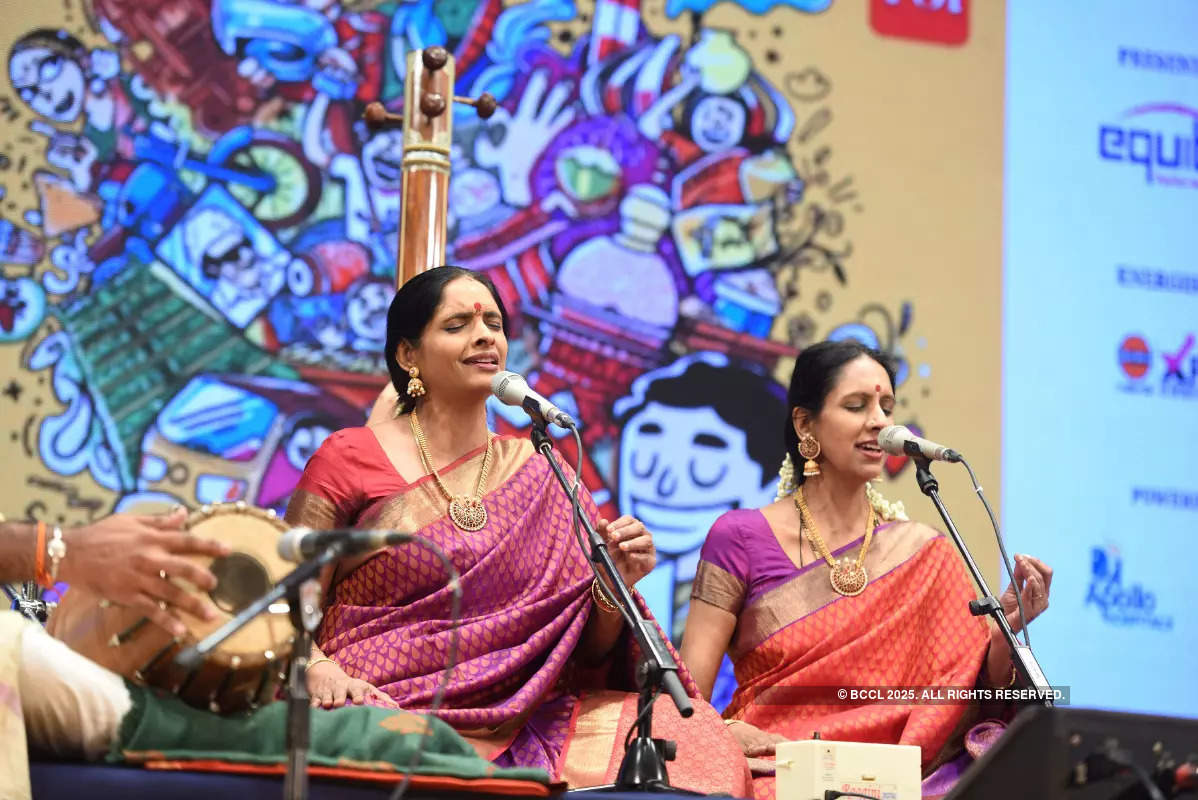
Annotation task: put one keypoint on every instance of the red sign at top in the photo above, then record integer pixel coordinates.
(943, 21)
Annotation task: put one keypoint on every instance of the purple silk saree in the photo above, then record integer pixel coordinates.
(517, 692)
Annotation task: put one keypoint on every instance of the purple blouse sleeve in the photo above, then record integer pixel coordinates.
(724, 546)
(722, 576)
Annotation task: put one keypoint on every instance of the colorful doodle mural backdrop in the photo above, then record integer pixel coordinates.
(199, 237)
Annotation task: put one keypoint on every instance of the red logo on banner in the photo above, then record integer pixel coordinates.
(944, 21)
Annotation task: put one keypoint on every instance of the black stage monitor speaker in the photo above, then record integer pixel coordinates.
(1080, 754)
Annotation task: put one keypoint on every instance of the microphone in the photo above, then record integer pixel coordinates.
(300, 544)
(513, 390)
(898, 440)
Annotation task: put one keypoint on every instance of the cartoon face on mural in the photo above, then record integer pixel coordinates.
(680, 468)
(366, 313)
(46, 71)
(382, 158)
(304, 440)
(22, 308)
(204, 264)
(689, 452)
(228, 256)
(717, 123)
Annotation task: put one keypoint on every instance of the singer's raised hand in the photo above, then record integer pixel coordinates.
(1034, 579)
(631, 547)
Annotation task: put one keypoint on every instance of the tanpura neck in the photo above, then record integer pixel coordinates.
(839, 508)
(452, 430)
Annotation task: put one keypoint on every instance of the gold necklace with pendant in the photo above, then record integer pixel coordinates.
(848, 576)
(467, 512)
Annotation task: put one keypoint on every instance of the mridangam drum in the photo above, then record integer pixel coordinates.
(246, 669)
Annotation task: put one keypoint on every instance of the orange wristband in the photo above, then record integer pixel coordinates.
(39, 565)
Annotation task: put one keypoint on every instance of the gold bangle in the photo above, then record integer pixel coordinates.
(321, 660)
(601, 599)
(1014, 675)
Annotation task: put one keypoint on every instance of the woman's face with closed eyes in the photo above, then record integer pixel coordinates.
(463, 346)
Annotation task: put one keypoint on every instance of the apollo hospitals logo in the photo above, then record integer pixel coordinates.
(1160, 139)
(1121, 603)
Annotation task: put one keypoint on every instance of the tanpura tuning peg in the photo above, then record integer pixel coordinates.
(432, 104)
(484, 106)
(434, 58)
(377, 116)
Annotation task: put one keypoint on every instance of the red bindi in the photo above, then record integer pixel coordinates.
(478, 308)
(877, 388)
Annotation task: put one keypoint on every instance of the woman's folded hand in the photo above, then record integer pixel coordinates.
(755, 742)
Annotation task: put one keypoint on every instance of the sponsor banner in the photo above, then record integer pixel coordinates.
(1100, 363)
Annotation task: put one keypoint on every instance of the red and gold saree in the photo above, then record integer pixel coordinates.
(797, 642)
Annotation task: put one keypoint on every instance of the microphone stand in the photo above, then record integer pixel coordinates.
(301, 588)
(28, 600)
(643, 768)
(1025, 661)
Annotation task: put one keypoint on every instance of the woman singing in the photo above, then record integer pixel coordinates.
(544, 667)
(830, 586)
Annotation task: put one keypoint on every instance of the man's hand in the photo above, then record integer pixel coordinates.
(123, 557)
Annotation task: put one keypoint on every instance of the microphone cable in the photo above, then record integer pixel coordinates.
(1002, 549)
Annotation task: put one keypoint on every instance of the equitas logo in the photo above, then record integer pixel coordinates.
(1160, 138)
